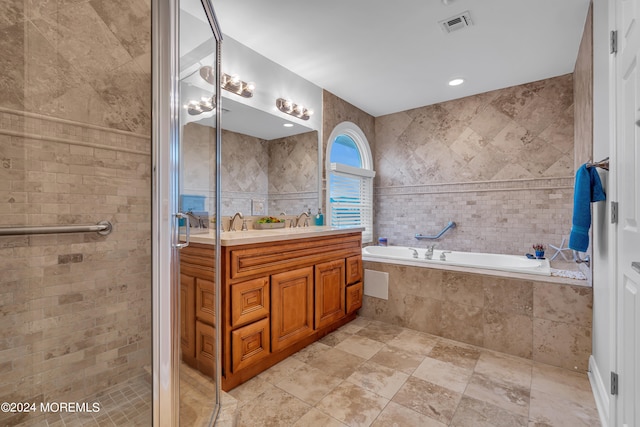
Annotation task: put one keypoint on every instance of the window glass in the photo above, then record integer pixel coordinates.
(345, 151)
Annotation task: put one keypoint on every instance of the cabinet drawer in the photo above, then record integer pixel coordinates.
(354, 297)
(249, 301)
(277, 257)
(354, 269)
(249, 344)
(205, 348)
(205, 301)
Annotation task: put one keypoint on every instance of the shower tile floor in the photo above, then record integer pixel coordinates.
(370, 373)
(127, 404)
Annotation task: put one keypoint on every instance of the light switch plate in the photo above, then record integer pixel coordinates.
(257, 207)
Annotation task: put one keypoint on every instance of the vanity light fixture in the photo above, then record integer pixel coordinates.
(195, 108)
(237, 86)
(456, 82)
(296, 110)
(230, 83)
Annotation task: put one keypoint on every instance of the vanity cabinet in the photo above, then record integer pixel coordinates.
(276, 298)
(280, 296)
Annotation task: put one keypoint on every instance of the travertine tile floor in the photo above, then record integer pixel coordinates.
(370, 373)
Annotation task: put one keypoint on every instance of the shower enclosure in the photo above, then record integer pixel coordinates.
(89, 321)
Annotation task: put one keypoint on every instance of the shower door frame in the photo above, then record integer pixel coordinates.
(165, 195)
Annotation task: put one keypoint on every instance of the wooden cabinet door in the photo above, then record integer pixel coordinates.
(329, 292)
(249, 301)
(354, 297)
(354, 269)
(205, 348)
(249, 344)
(291, 307)
(187, 319)
(205, 301)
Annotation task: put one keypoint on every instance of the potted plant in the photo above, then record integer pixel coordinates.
(539, 248)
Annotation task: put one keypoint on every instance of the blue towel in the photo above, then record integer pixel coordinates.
(588, 188)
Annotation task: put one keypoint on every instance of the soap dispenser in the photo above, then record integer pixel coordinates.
(319, 217)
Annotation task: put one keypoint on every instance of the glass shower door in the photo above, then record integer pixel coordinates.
(75, 149)
(198, 204)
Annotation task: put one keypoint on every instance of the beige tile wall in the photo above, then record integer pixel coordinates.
(543, 321)
(76, 308)
(500, 164)
(293, 174)
(75, 112)
(283, 172)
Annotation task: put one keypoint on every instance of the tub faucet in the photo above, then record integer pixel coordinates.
(429, 253)
(299, 217)
(415, 252)
(443, 256)
(233, 219)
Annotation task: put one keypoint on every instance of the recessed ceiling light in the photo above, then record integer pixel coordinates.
(456, 82)
(288, 125)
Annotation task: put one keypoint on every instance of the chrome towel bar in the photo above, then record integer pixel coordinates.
(103, 228)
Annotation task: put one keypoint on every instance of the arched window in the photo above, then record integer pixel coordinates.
(350, 175)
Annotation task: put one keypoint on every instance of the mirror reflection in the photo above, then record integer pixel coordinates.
(270, 161)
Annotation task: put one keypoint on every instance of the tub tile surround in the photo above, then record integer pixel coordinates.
(413, 378)
(543, 321)
(500, 164)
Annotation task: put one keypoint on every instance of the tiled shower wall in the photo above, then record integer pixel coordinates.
(499, 164)
(75, 309)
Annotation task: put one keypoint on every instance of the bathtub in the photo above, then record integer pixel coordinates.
(509, 263)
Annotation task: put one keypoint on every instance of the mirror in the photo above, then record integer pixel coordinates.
(267, 168)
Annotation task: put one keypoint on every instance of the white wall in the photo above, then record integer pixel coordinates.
(603, 232)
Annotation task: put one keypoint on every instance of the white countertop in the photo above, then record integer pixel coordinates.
(234, 238)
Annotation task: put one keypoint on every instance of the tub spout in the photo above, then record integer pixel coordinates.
(429, 253)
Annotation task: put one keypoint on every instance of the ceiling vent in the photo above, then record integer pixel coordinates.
(457, 22)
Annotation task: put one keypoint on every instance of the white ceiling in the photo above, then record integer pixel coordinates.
(387, 56)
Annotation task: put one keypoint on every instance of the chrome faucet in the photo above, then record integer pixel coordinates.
(306, 221)
(233, 219)
(197, 221)
(415, 252)
(429, 253)
(443, 256)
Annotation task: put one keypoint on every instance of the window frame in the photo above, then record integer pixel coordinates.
(365, 173)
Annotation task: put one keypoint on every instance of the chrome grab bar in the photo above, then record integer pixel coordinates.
(451, 224)
(103, 228)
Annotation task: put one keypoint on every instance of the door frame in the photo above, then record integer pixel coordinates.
(165, 197)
